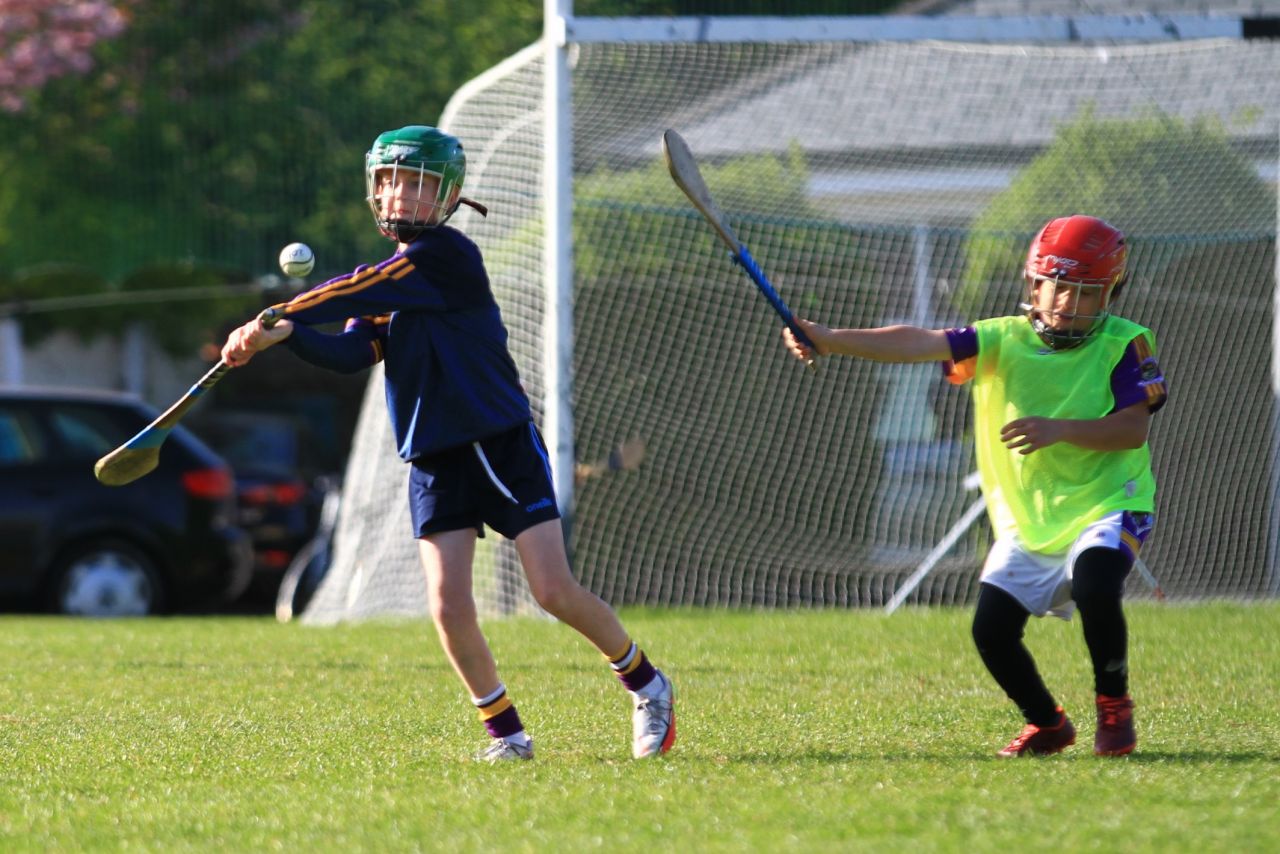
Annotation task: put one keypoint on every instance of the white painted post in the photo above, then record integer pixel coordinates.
(557, 355)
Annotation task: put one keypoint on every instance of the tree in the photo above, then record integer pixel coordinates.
(42, 40)
(206, 136)
(1155, 176)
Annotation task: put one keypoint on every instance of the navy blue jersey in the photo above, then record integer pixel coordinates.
(430, 315)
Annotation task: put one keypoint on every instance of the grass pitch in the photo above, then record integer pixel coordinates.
(799, 731)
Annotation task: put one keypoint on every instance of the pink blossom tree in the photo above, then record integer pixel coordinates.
(41, 40)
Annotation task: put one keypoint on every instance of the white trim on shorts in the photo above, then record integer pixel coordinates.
(493, 477)
(1042, 582)
(540, 447)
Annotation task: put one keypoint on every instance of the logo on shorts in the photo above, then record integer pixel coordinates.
(538, 505)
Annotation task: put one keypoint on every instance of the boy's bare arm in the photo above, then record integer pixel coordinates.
(1119, 431)
(886, 344)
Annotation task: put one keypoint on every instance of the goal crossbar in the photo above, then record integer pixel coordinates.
(1048, 29)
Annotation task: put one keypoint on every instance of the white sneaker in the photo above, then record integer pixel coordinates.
(501, 750)
(654, 722)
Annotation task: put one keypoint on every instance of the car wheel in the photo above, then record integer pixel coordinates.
(106, 578)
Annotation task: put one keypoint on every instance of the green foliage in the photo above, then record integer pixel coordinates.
(209, 135)
(1153, 176)
(835, 730)
(620, 217)
(617, 213)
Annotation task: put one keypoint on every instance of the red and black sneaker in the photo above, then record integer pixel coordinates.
(1042, 741)
(1116, 735)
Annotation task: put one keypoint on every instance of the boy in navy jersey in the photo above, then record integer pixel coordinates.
(462, 420)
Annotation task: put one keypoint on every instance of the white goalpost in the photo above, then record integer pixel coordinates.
(860, 158)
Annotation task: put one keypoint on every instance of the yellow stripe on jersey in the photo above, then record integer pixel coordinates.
(349, 285)
(1156, 391)
(375, 319)
(1143, 347)
(362, 277)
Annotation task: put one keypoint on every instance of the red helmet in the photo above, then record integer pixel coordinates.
(1079, 251)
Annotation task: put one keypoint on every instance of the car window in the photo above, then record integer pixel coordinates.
(261, 445)
(20, 438)
(86, 431)
(254, 444)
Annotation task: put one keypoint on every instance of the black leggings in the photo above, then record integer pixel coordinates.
(998, 623)
(1098, 588)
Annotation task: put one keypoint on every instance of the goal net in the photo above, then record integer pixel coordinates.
(875, 183)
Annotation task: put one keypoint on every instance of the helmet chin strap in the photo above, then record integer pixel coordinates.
(1063, 340)
(405, 232)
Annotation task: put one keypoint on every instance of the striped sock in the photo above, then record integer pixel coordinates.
(632, 667)
(501, 720)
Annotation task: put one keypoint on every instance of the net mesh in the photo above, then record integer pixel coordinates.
(875, 184)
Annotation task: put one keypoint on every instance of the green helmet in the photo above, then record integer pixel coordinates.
(423, 152)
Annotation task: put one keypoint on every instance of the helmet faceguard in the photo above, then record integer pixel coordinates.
(419, 156)
(1081, 259)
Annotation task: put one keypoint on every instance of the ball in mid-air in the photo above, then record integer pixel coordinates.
(297, 259)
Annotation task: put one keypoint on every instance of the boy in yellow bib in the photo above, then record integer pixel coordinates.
(1062, 399)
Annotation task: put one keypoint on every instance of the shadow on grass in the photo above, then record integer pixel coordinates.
(1151, 757)
(302, 664)
(1208, 757)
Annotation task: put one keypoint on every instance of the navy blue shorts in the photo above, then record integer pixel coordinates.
(503, 481)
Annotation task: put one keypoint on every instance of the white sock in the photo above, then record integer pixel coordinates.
(521, 738)
(489, 698)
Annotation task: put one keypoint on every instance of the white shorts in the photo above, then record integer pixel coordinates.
(1042, 582)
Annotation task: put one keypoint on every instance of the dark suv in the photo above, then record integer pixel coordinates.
(165, 542)
(276, 466)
